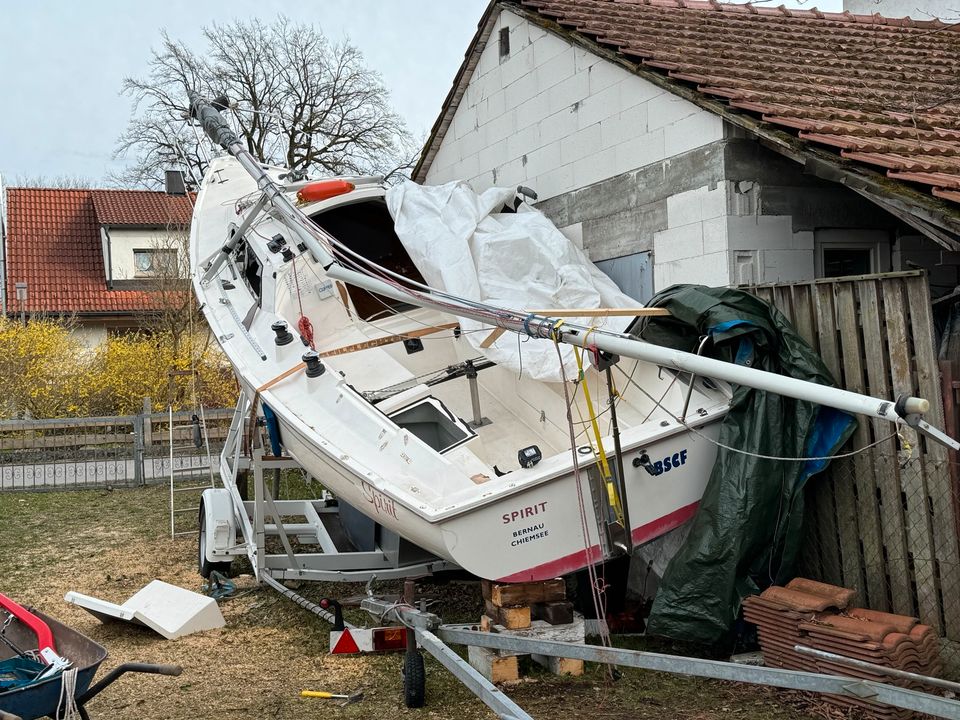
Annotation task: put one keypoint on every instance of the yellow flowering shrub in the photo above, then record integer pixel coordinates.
(45, 371)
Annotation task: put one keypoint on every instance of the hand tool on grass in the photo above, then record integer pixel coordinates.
(347, 699)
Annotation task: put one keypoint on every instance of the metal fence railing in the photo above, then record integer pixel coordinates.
(121, 451)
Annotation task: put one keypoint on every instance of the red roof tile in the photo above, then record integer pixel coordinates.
(53, 244)
(880, 91)
(141, 207)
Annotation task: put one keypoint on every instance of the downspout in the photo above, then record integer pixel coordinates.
(3, 249)
(107, 255)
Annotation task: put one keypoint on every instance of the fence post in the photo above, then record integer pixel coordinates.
(138, 435)
(147, 421)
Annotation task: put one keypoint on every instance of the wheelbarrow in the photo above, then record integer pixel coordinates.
(40, 699)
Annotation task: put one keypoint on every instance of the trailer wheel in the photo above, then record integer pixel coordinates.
(414, 679)
(204, 566)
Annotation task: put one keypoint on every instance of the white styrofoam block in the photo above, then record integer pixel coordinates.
(621, 127)
(693, 131)
(787, 266)
(684, 208)
(759, 232)
(604, 74)
(567, 92)
(166, 609)
(558, 69)
(640, 151)
(519, 91)
(174, 612)
(519, 63)
(557, 126)
(677, 243)
(594, 168)
(533, 110)
(103, 610)
(547, 47)
(490, 157)
(500, 127)
(715, 235)
(711, 269)
(574, 233)
(555, 182)
(580, 144)
(543, 159)
(714, 201)
(599, 105)
(665, 110)
(510, 173)
(523, 141)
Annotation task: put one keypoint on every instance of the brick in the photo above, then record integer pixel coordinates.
(519, 63)
(548, 47)
(600, 105)
(669, 109)
(567, 92)
(518, 92)
(555, 182)
(500, 127)
(560, 666)
(558, 126)
(523, 142)
(559, 68)
(640, 151)
(604, 74)
(685, 207)
(595, 168)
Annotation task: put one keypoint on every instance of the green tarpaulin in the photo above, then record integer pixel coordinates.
(746, 534)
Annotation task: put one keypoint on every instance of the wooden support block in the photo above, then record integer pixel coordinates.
(556, 613)
(512, 618)
(560, 666)
(494, 668)
(486, 623)
(508, 595)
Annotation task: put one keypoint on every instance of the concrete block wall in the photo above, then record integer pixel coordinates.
(556, 118)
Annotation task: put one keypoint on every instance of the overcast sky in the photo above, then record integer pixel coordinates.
(62, 62)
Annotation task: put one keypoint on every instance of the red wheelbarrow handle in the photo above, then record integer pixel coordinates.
(39, 627)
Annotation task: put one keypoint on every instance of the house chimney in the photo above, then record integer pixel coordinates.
(175, 183)
(945, 10)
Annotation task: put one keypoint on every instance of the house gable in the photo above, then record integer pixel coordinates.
(554, 116)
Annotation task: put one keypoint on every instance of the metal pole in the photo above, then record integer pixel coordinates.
(718, 670)
(880, 669)
(490, 694)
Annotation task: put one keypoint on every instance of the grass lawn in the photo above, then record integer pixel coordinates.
(110, 544)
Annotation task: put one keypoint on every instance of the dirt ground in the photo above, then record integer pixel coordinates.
(110, 544)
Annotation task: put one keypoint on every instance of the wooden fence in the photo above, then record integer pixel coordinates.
(884, 521)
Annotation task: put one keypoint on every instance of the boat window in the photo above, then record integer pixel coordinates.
(430, 421)
(367, 229)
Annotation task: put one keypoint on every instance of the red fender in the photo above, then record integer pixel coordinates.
(39, 627)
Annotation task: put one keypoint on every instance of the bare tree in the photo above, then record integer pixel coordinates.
(296, 99)
(61, 182)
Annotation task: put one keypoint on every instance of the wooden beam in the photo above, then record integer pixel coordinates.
(365, 345)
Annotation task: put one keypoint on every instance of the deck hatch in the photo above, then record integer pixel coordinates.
(431, 421)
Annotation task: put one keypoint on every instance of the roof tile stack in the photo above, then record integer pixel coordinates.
(819, 616)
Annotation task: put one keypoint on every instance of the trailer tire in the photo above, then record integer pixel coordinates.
(414, 679)
(204, 566)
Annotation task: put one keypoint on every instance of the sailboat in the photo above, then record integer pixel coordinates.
(396, 394)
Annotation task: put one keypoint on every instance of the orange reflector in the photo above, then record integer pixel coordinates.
(323, 190)
(389, 638)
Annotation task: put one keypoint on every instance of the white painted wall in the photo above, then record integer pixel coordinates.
(555, 117)
(123, 241)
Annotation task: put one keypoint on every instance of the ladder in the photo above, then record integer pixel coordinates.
(191, 471)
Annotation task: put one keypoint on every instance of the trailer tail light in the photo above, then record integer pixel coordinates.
(389, 638)
(323, 190)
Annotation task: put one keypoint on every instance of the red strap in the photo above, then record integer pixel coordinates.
(39, 627)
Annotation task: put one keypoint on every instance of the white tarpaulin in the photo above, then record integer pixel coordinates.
(462, 243)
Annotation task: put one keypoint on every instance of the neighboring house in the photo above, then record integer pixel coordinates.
(103, 258)
(704, 142)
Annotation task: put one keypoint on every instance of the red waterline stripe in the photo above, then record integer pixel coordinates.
(575, 561)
